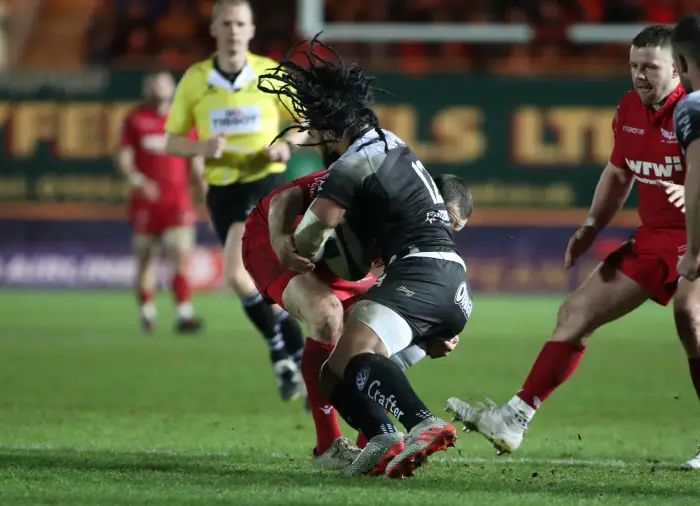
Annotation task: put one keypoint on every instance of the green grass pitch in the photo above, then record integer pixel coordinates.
(93, 413)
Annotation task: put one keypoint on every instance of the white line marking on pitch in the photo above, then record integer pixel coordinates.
(280, 455)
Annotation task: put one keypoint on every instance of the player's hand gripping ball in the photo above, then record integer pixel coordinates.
(286, 252)
(345, 255)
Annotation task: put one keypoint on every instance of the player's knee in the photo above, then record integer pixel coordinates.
(238, 279)
(574, 323)
(325, 323)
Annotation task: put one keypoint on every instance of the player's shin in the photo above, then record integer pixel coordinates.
(183, 296)
(380, 379)
(148, 308)
(694, 365)
(291, 334)
(555, 364)
(263, 317)
(324, 414)
(358, 411)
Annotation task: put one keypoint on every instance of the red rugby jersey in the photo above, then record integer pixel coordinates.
(144, 132)
(646, 144)
(309, 186)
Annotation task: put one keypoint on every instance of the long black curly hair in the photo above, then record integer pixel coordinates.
(327, 96)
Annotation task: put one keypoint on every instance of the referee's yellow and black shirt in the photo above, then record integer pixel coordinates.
(215, 104)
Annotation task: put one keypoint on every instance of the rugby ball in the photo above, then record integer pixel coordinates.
(345, 255)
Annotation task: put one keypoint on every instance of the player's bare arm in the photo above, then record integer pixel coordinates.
(197, 175)
(124, 160)
(182, 145)
(612, 191)
(283, 149)
(284, 209)
(316, 226)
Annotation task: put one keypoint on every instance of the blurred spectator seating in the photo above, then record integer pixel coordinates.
(174, 33)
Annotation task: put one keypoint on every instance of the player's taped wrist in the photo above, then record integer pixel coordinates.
(311, 235)
(136, 179)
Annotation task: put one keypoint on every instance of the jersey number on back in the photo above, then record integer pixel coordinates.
(428, 182)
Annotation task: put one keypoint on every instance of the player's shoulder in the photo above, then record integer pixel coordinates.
(630, 101)
(689, 104)
(260, 63)
(198, 72)
(367, 154)
(687, 119)
(138, 113)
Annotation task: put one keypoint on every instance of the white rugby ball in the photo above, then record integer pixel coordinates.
(345, 255)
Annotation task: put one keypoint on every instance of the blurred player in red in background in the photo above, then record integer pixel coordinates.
(160, 206)
(645, 267)
(320, 298)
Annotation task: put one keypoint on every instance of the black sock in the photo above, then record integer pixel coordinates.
(291, 333)
(386, 384)
(263, 317)
(359, 411)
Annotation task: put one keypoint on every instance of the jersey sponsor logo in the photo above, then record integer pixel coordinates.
(403, 289)
(361, 378)
(666, 169)
(389, 403)
(155, 143)
(442, 216)
(632, 130)
(668, 136)
(463, 300)
(235, 120)
(315, 187)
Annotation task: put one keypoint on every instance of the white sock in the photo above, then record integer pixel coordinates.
(148, 311)
(185, 311)
(522, 409)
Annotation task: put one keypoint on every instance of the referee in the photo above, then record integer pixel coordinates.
(235, 123)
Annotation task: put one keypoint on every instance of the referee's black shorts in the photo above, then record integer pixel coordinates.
(233, 203)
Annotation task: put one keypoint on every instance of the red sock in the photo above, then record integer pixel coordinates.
(361, 441)
(145, 296)
(325, 416)
(694, 364)
(181, 289)
(555, 363)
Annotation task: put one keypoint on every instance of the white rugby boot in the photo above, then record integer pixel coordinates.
(289, 381)
(430, 436)
(503, 426)
(692, 464)
(338, 456)
(375, 457)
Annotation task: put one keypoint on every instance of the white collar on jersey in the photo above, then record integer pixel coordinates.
(370, 150)
(246, 76)
(391, 139)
